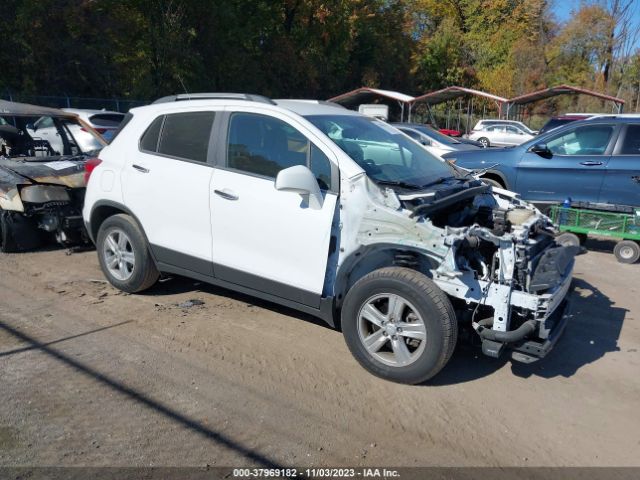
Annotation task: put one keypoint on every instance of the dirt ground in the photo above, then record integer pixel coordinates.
(94, 377)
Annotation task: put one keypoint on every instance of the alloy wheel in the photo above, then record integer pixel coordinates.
(391, 330)
(118, 255)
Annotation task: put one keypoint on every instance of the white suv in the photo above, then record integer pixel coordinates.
(319, 208)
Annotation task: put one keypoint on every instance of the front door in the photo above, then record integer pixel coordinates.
(575, 169)
(166, 186)
(265, 239)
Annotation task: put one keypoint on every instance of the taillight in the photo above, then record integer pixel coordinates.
(89, 166)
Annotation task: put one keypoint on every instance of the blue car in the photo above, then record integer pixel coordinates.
(595, 161)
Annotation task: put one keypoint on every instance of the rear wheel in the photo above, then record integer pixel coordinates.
(124, 255)
(627, 251)
(399, 325)
(485, 142)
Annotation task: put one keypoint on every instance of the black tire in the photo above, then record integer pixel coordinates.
(492, 182)
(429, 302)
(144, 272)
(568, 239)
(7, 242)
(627, 251)
(485, 142)
(19, 233)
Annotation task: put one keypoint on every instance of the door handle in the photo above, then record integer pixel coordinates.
(140, 169)
(227, 195)
(591, 163)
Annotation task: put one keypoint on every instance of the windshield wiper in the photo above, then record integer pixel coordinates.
(393, 183)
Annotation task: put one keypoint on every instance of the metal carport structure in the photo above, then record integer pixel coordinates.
(457, 92)
(367, 95)
(560, 90)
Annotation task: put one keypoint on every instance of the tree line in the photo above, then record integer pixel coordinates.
(143, 49)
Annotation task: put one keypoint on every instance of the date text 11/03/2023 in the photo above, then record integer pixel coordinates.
(315, 473)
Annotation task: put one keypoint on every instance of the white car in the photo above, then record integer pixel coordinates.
(500, 135)
(334, 214)
(105, 122)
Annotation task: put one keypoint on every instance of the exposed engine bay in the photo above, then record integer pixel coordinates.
(493, 254)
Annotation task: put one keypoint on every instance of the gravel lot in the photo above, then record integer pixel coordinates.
(91, 376)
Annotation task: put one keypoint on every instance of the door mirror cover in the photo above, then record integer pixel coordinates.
(300, 179)
(542, 150)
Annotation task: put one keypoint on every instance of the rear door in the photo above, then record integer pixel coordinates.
(166, 184)
(576, 168)
(621, 184)
(263, 238)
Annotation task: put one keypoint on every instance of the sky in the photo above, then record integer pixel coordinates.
(563, 8)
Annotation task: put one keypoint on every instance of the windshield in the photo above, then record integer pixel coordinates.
(45, 136)
(384, 153)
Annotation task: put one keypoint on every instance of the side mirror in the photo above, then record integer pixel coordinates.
(425, 142)
(542, 150)
(31, 126)
(299, 179)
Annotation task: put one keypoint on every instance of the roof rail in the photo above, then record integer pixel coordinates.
(215, 96)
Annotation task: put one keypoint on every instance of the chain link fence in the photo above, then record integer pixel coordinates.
(64, 101)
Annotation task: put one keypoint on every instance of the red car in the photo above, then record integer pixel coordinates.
(450, 133)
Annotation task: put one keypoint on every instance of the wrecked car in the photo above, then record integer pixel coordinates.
(43, 158)
(335, 214)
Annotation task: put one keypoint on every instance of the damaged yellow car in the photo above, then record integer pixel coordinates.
(45, 155)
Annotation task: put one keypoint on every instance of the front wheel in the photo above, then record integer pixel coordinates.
(399, 325)
(485, 142)
(124, 255)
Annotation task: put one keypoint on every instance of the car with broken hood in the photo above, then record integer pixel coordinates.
(334, 214)
(42, 180)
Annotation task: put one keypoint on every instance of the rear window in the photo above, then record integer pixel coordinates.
(108, 120)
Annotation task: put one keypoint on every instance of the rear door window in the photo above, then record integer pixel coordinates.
(180, 135)
(186, 135)
(631, 143)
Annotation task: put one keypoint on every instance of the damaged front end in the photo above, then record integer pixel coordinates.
(41, 201)
(491, 253)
